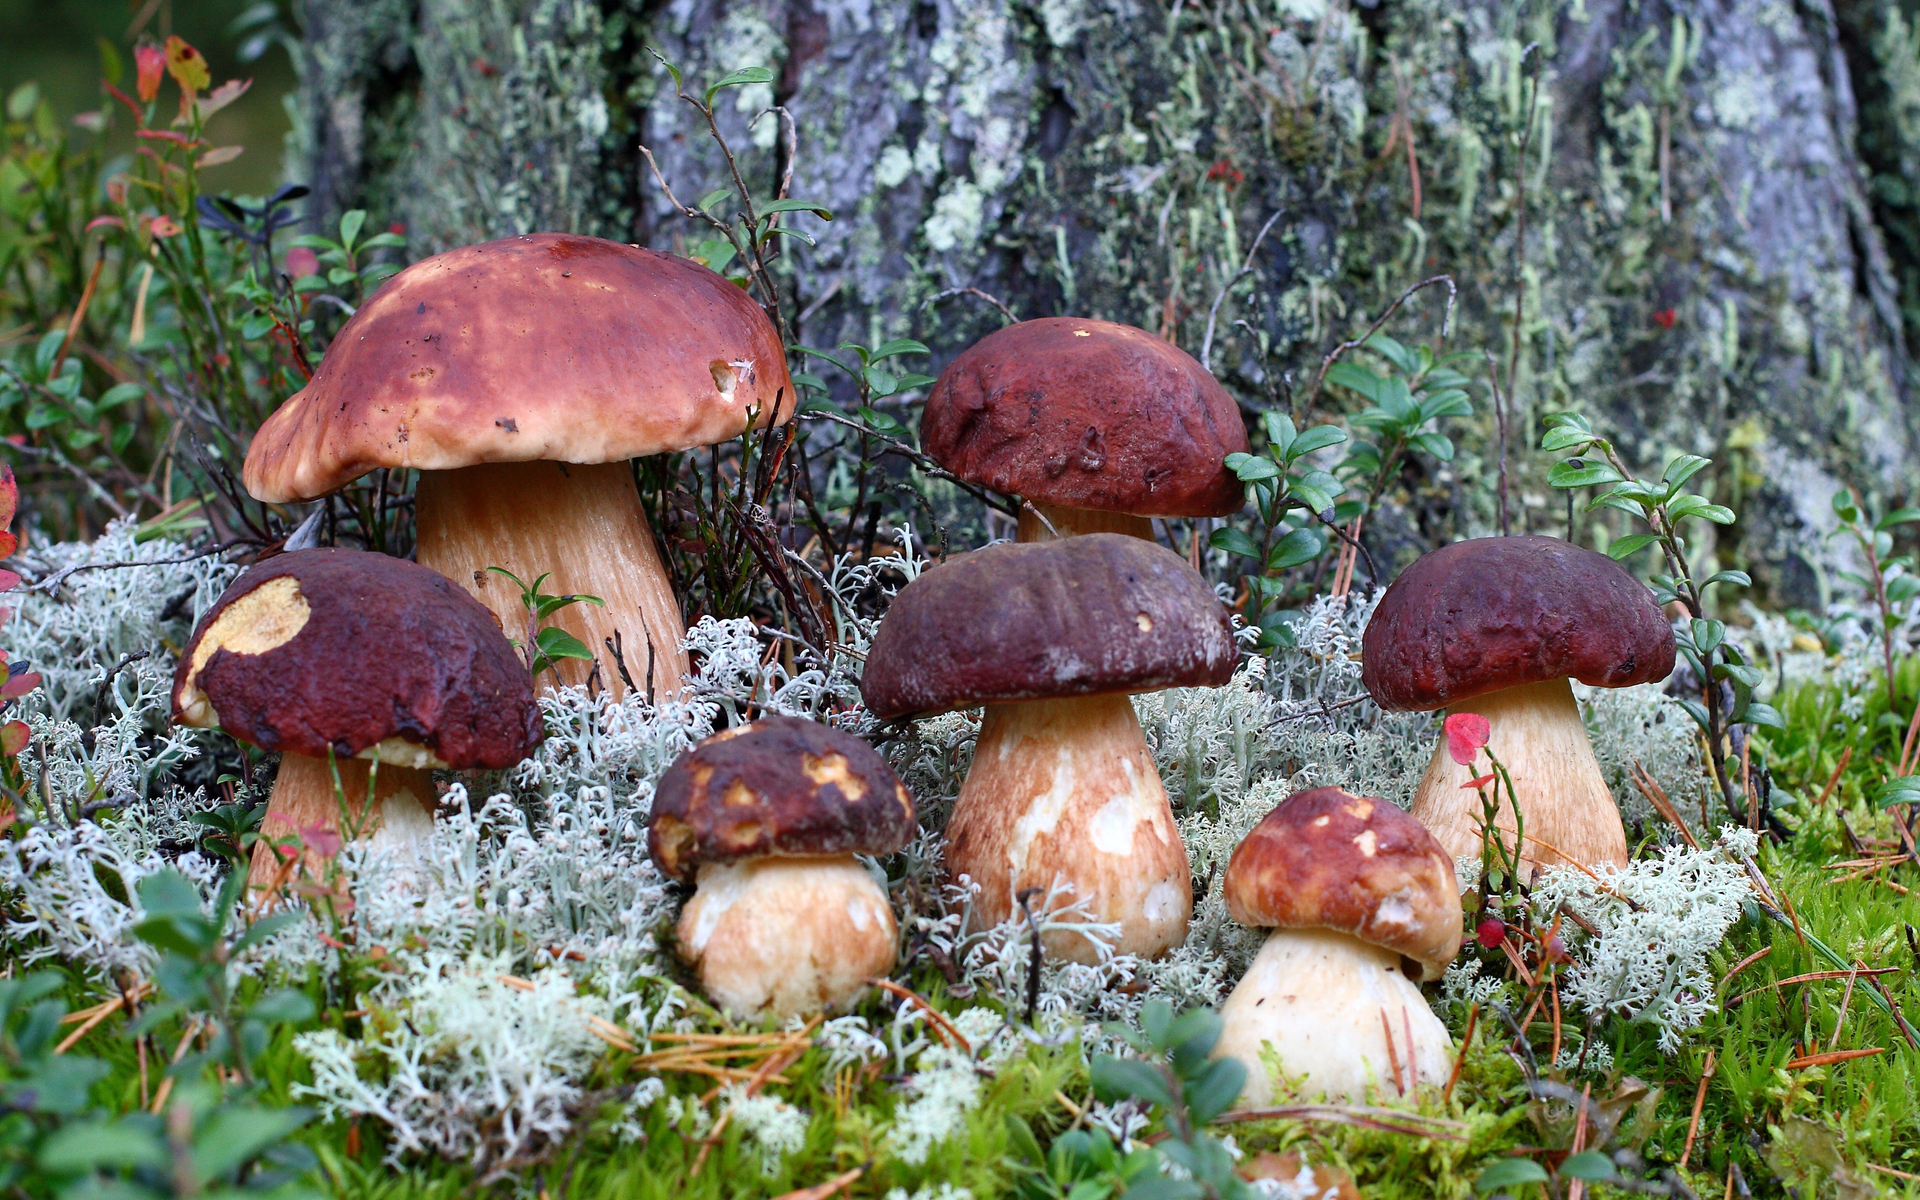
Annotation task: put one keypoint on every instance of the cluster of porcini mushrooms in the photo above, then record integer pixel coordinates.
(520, 377)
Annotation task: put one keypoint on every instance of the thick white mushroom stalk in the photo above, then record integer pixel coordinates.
(1044, 522)
(1065, 791)
(784, 936)
(1339, 1018)
(1537, 734)
(306, 803)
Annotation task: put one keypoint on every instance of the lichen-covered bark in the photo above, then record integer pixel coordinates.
(1704, 269)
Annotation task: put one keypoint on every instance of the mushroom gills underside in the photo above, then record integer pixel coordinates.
(1538, 735)
(304, 800)
(1063, 794)
(585, 528)
(1061, 521)
(787, 935)
(1340, 1018)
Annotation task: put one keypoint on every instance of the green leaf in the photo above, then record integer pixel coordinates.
(85, 1148)
(782, 206)
(1751, 677)
(1251, 468)
(1765, 715)
(1117, 1079)
(1436, 444)
(1623, 547)
(1556, 440)
(1234, 541)
(1216, 1089)
(1738, 578)
(1451, 402)
(739, 78)
(237, 1134)
(1566, 475)
(350, 224)
(1902, 789)
(1707, 634)
(1300, 546)
(556, 644)
(1899, 516)
(119, 394)
(1317, 438)
(1508, 1172)
(1356, 378)
(1683, 468)
(1160, 1187)
(1393, 352)
(1280, 432)
(1590, 1165)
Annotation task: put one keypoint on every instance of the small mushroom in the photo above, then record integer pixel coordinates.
(766, 818)
(1052, 637)
(1498, 626)
(371, 659)
(519, 377)
(1362, 902)
(1098, 426)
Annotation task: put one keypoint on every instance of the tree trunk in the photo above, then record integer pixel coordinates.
(1703, 267)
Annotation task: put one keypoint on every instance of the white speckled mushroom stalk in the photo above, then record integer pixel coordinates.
(785, 936)
(304, 802)
(585, 525)
(1537, 734)
(1066, 791)
(1339, 1015)
(1075, 522)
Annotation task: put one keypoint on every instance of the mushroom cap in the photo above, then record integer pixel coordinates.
(1328, 859)
(1478, 616)
(781, 786)
(543, 346)
(1080, 616)
(360, 654)
(1087, 414)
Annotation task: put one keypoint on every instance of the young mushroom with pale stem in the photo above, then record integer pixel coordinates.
(370, 658)
(1498, 626)
(1362, 902)
(767, 818)
(1098, 426)
(1052, 637)
(519, 377)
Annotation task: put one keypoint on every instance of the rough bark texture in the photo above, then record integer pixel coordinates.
(1705, 268)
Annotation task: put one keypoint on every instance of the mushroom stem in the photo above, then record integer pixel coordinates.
(304, 798)
(1065, 790)
(584, 527)
(1324, 1002)
(1537, 734)
(787, 935)
(1070, 522)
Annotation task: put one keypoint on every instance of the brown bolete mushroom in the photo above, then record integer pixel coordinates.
(1362, 902)
(1498, 626)
(767, 818)
(1052, 637)
(1099, 426)
(519, 377)
(369, 659)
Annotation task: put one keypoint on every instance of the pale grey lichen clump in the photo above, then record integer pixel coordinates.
(535, 907)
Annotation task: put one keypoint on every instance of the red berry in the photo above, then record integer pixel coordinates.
(1556, 949)
(1491, 932)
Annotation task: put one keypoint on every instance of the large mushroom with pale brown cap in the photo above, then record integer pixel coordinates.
(1363, 902)
(519, 377)
(767, 818)
(1499, 626)
(380, 664)
(1098, 426)
(1052, 637)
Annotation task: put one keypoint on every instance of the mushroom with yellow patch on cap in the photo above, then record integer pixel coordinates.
(367, 659)
(519, 377)
(1052, 637)
(1098, 426)
(1363, 902)
(767, 818)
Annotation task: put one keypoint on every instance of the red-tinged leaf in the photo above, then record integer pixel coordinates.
(105, 223)
(1467, 732)
(149, 61)
(323, 840)
(9, 497)
(223, 95)
(8, 580)
(187, 65)
(6, 614)
(218, 155)
(1476, 784)
(302, 262)
(8, 544)
(167, 135)
(139, 117)
(13, 738)
(19, 685)
(163, 226)
(117, 189)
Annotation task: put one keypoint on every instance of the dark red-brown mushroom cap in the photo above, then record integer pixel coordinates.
(1080, 616)
(1328, 859)
(1087, 414)
(782, 786)
(1478, 616)
(343, 650)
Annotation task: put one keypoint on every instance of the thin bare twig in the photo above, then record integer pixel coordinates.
(1333, 355)
(989, 297)
(1219, 297)
(920, 460)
